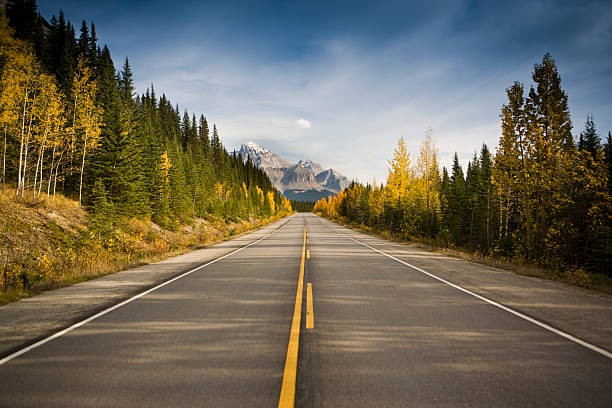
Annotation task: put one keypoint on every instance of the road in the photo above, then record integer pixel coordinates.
(234, 334)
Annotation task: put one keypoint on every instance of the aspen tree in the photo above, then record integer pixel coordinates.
(86, 113)
(271, 205)
(50, 124)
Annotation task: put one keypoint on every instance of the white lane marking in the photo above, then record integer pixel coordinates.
(568, 336)
(125, 302)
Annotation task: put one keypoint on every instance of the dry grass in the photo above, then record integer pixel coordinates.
(46, 243)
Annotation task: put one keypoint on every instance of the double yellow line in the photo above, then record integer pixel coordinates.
(287, 395)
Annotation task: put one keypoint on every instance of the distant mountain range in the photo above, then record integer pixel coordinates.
(303, 181)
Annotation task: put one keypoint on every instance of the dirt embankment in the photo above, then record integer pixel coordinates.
(46, 243)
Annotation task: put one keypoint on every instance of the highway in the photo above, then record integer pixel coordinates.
(312, 316)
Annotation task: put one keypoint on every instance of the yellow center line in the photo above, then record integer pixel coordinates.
(308, 254)
(287, 395)
(309, 311)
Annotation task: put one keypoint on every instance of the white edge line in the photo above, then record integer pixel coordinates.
(568, 336)
(125, 302)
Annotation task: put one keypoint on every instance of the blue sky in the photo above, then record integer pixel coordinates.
(341, 82)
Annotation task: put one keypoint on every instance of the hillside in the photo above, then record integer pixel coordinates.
(48, 243)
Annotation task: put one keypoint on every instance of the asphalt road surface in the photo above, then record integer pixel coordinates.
(378, 333)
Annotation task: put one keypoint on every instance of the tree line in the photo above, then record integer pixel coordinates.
(71, 123)
(543, 197)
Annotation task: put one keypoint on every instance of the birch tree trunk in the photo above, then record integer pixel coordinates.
(51, 170)
(4, 163)
(82, 168)
(25, 101)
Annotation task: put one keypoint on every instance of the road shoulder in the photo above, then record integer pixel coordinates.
(579, 312)
(30, 319)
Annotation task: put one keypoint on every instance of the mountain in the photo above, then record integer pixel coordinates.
(332, 180)
(261, 157)
(303, 181)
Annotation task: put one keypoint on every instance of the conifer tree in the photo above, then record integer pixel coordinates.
(115, 160)
(589, 139)
(487, 202)
(83, 41)
(204, 135)
(457, 203)
(445, 214)
(608, 158)
(94, 50)
(126, 82)
(101, 214)
(24, 19)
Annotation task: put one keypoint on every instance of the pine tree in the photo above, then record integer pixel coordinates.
(457, 204)
(589, 139)
(94, 51)
(84, 40)
(204, 134)
(126, 83)
(608, 158)
(473, 190)
(445, 214)
(486, 200)
(185, 130)
(65, 49)
(24, 19)
(101, 212)
(115, 160)
(216, 150)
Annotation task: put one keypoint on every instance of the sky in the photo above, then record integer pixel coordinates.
(341, 82)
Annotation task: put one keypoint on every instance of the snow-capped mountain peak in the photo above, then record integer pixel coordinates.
(262, 157)
(305, 180)
(255, 147)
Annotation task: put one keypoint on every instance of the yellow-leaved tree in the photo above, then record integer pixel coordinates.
(21, 85)
(286, 205)
(49, 129)
(429, 180)
(270, 202)
(260, 195)
(400, 172)
(86, 116)
(322, 207)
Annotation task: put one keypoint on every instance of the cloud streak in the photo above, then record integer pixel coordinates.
(366, 75)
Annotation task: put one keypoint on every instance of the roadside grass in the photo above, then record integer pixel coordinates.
(46, 243)
(574, 277)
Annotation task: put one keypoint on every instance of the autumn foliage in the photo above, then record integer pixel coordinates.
(542, 198)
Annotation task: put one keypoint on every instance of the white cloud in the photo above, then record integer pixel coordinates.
(303, 123)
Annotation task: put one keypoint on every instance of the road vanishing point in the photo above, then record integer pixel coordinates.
(310, 315)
